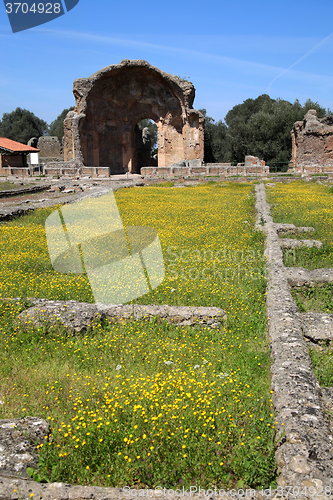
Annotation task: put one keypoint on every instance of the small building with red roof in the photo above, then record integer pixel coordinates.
(14, 157)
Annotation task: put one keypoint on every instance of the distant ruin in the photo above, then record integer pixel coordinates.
(101, 132)
(252, 166)
(312, 143)
(50, 149)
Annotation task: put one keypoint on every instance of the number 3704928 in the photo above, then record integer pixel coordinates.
(36, 8)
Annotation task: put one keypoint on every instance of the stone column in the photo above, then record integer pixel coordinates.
(127, 151)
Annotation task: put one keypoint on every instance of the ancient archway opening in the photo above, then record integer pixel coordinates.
(102, 133)
(146, 144)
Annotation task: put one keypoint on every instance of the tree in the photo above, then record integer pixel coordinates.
(21, 125)
(216, 145)
(241, 130)
(57, 126)
(321, 112)
(261, 127)
(152, 127)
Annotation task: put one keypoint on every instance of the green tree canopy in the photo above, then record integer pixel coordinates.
(152, 127)
(21, 125)
(259, 127)
(57, 126)
(217, 144)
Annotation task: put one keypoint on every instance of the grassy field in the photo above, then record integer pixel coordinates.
(309, 204)
(6, 185)
(305, 204)
(314, 298)
(139, 403)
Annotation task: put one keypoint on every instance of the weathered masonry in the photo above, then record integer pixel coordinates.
(102, 132)
(312, 141)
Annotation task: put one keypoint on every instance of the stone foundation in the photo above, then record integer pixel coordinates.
(210, 169)
(304, 436)
(19, 438)
(77, 317)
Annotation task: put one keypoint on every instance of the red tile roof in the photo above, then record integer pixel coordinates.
(16, 147)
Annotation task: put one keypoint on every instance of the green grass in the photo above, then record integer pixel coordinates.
(309, 258)
(4, 186)
(140, 402)
(317, 298)
(305, 204)
(322, 362)
(163, 184)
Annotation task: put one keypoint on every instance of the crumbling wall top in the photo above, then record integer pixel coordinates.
(109, 104)
(312, 124)
(312, 141)
(82, 86)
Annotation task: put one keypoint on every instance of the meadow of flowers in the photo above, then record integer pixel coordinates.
(305, 204)
(148, 403)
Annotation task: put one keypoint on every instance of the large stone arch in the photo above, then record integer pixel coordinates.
(100, 131)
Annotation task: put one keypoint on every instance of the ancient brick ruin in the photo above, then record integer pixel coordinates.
(101, 131)
(312, 143)
(252, 166)
(50, 149)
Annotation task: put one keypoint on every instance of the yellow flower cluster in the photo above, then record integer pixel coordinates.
(138, 402)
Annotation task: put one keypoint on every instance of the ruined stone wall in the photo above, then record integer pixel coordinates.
(312, 142)
(254, 161)
(109, 104)
(50, 149)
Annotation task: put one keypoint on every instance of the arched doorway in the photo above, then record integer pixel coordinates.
(146, 145)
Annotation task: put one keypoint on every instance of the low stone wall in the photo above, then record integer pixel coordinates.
(305, 444)
(312, 169)
(221, 169)
(304, 438)
(58, 168)
(19, 438)
(14, 192)
(15, 171)
(312, 141)
(77, 317)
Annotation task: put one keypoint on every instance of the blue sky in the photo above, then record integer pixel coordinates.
(231, 50)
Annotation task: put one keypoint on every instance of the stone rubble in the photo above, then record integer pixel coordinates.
(298, 276)
(18, 440)
(312, 141)
(290, 243)
(77, 317)
(317, 327)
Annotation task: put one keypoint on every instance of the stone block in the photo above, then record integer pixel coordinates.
(19, 438)
(50, 148)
